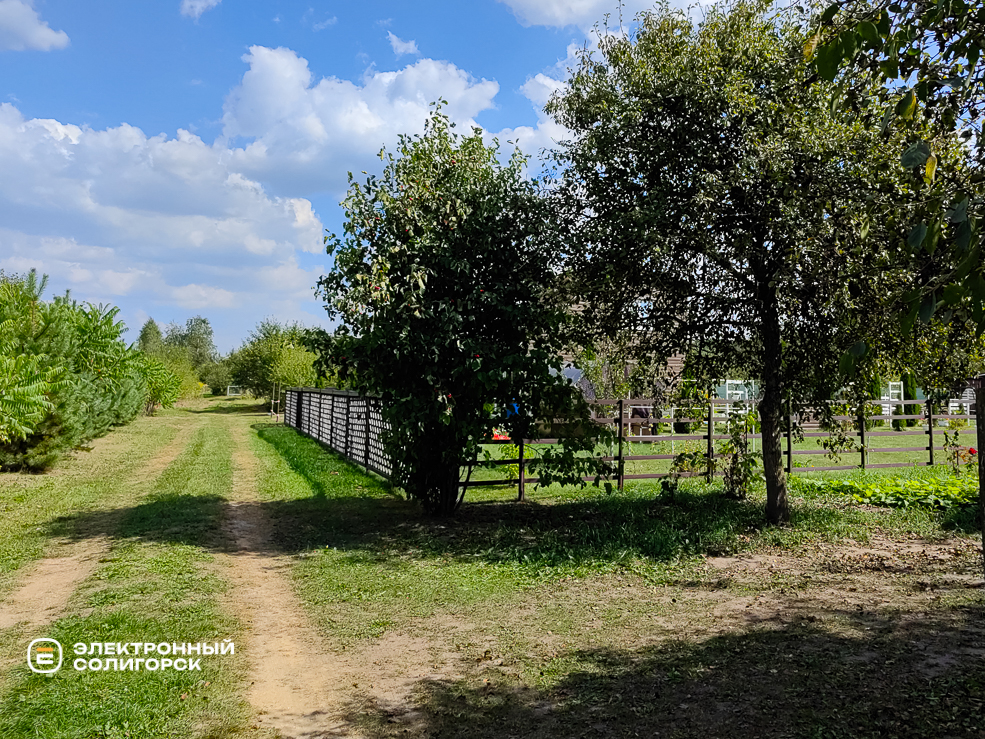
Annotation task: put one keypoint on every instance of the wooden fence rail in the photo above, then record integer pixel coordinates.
(351, 425)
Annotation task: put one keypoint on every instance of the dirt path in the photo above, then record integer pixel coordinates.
(49, 583)
(295, 682)
(299, 687)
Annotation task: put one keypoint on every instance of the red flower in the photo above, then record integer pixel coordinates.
(476, 356)
(972, 450)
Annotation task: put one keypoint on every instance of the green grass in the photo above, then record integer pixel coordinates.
(155, 585)
(80, 483)
(370, 561)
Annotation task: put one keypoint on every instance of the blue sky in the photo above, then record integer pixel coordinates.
(183, 157)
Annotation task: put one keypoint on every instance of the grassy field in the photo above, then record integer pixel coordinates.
(575, 613)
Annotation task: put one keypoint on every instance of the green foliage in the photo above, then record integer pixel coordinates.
(713, 195)
(741, 465)
(273, 353)
(938, 492)
(444, 288)
(217, 375)
(67, 374)
(919, 62)
(178, 363)
(323, 346)
(196, 338)
(163, 386)
(151, 339)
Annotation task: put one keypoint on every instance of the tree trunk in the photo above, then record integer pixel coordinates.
(771, 421)
(447, 493)
(771, 408)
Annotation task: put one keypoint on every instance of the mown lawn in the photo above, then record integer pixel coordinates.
(575, 613)
(155, 583)
(584, 614)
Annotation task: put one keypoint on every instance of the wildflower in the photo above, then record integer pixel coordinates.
(972, 450)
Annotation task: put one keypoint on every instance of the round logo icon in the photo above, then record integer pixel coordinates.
(44, 656)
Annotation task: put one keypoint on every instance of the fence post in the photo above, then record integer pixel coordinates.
(861, 432)
(321, 400)
(980, 428)
(711, 441)
(930, 429)
(521, 488)
(789, 436)
(297, 410)
(331, 422)
(620, 471)
(348, 423)
(366, 440)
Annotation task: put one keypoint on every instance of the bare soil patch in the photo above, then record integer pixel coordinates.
(299, 687)
(49, 583)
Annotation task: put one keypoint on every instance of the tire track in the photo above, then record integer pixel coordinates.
(295, 682)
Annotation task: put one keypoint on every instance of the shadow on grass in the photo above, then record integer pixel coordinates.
(857, 675)
(338, 505)
(230, 407)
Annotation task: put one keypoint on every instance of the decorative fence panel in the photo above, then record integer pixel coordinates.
(345, 422)
(351, 425)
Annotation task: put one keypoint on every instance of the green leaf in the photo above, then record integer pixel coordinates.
(928, 173)
(959, 212)
(906, 105)
(906, 320)
(916, 155)
(962, 239)
(859, 349)
(830, 12)
(869, 31)
(952, 294)
(849, 44)
(969, 263)
(927, 307)
(846, 364)
(883, 24)
(828, 59)
(917, 234)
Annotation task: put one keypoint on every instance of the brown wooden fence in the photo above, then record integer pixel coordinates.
(350, 424)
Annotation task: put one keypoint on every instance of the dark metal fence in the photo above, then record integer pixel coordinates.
(351, 424)
(345, 422)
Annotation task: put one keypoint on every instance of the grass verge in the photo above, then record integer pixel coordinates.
(156, 585)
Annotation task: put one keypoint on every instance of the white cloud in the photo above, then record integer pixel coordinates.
(401, 47)
(325, 24)
(145, 221)
(195, 8)
(21, 28)
(303, 136)
(581, 13)
(163, 225)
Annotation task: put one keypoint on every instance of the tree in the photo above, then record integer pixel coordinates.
(68, 376)
(443, 287)
(196, 337)
(254, 365)
(713, 196)
(151, 340)
(919, 60)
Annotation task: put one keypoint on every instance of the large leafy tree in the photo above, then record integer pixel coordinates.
(442, 285)
(714, 197)
(917, 65)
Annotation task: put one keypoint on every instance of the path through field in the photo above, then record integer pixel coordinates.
(44, 590)
(294, 681)
(356, 616)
